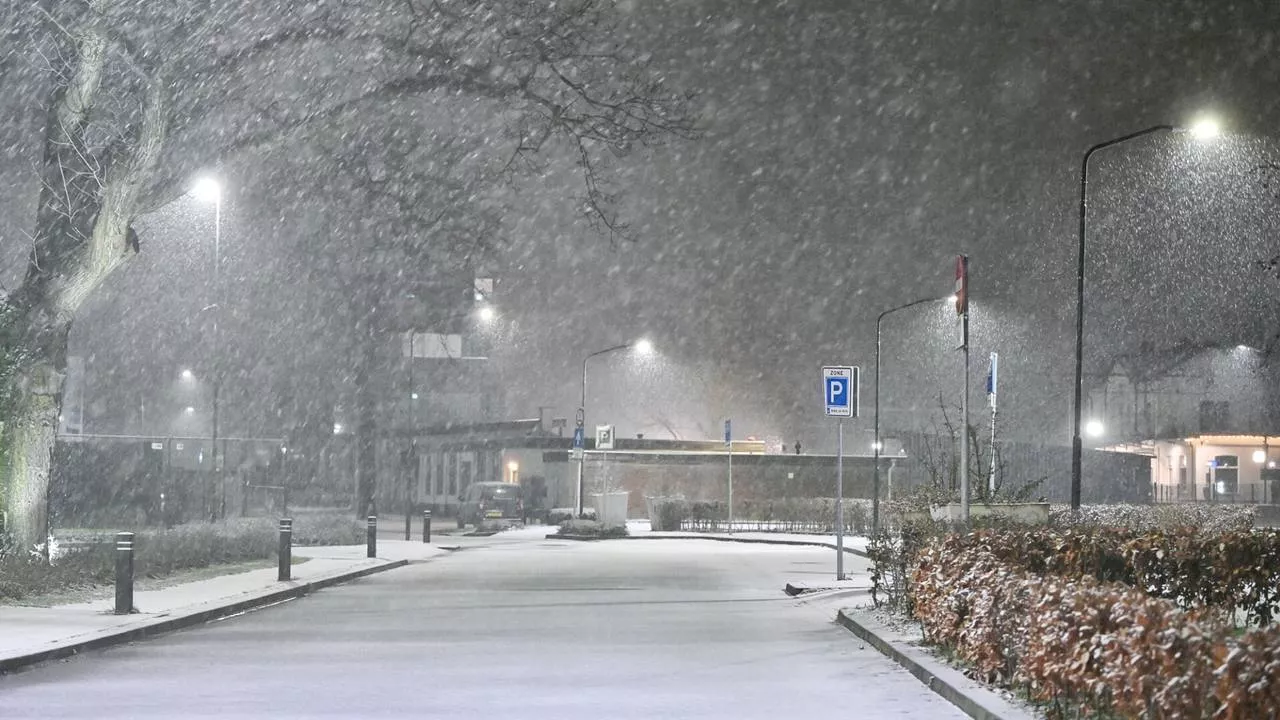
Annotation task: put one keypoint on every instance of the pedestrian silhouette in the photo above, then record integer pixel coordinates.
(797, 447)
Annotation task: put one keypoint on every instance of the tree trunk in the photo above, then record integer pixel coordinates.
(26, 446)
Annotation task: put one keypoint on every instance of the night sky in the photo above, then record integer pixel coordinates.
(848, 151)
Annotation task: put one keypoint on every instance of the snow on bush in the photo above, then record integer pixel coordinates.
(1224, 572)
(1081, 644)
(328, 528)
(789, 515)
(1209, 518)
(157, 553)
(591, 528)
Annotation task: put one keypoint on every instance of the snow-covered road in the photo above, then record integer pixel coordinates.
(533, 629)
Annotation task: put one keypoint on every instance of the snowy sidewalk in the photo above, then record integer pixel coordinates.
(35, 634)
(856, 544)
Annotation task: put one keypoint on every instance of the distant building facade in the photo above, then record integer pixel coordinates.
(1206, 426)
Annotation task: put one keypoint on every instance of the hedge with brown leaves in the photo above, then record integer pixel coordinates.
(1223, 571)
(1101, 647)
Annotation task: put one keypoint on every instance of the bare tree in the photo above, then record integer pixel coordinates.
(144, 94)
(939, 455)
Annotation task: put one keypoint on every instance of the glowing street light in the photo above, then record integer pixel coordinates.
(207, 189)
(641, 347)
(1094, 428)
(487, 314)
(876, 444)
(190, 410)
(1203, 129)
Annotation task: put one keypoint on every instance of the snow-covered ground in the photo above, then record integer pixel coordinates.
(671, 629)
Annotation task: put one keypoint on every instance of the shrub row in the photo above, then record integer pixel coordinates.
(816, 515)
(327, 528)
(163, 552)
(591, 528)
(1208, 518)
(1183, 565)
(1089, 645)
(1229, 571)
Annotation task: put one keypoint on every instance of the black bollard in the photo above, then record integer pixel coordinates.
(408, 521)
(426, 526)
(124, 573)
(371, 535)
(285, 551)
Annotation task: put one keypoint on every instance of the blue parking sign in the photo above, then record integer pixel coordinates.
(840, 391)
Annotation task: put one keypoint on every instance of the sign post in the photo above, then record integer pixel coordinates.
(579, 448)
(993, 380)
(840, 399)
(962, 309)
(728, 443)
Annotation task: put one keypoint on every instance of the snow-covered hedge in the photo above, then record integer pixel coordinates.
(158, 553)
(327, 528)
(1080, 644)
(1224, 572)
(591, 528)
(816, 515)
(1098, 534)
(1209, 518)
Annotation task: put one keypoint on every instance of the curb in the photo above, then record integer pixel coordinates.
(758, 541)
(974, 707)
(170, 624)
(796, 590)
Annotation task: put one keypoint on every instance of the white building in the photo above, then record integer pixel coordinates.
(1203, 422)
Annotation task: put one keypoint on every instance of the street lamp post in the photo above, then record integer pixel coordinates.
(1203, 130)
(642, 346)
(875, 484)
(208, 189)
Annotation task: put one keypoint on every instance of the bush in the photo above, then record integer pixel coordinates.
(666, 514)
(893, 558)
(1223, 571)
(157, 553)
(163, 552)
(893, 553)
(25, 575)
(1092, 646)
(327, 528)
(807, 515)
(1168, 551)
(556, 516)
(591, 528)
(1208, 518)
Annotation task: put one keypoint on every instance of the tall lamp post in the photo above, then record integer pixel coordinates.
(209, 190)
(1204, 129)
(875, 484)
(642, 347)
